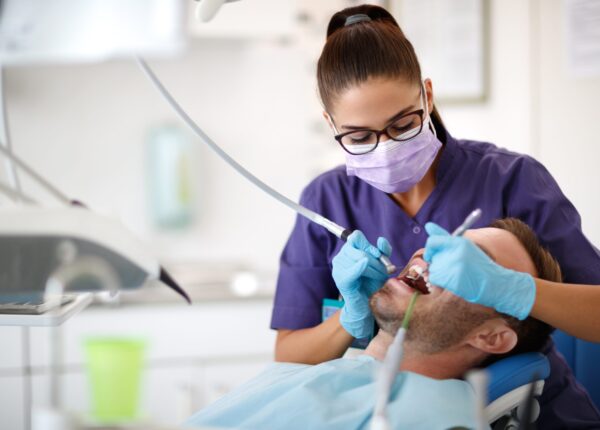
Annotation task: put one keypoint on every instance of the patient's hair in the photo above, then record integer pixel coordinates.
(532, 333)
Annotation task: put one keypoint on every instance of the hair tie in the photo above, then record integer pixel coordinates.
(359, 17)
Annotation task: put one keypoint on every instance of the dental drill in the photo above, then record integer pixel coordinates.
(331, 226)
(467, 223)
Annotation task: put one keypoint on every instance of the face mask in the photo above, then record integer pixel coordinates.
(396, 167)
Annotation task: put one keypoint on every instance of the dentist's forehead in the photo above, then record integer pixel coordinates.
(504, 248)
(371, 103)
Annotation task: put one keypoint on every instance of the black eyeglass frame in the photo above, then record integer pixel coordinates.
(378, 133)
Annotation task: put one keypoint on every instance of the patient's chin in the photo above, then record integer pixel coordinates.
(382, 299)
(386, 307)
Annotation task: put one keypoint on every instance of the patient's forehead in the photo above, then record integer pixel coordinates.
(504, 248)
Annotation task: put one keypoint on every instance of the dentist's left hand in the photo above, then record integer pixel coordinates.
(358, 274)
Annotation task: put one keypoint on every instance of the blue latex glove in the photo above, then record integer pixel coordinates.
(358, 274)
(460, 266)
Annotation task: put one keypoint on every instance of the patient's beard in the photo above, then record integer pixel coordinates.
(432, 329)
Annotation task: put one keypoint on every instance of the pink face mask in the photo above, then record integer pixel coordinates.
(396, 167)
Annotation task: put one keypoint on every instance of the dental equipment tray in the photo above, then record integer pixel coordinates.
(52, 318)
(34, 306)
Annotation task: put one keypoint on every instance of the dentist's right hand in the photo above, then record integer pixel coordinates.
(358, 274)
(460, 266)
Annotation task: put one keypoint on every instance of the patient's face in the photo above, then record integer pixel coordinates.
(441, 319)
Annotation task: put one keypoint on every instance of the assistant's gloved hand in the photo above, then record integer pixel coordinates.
(358, 274)
(460, 266)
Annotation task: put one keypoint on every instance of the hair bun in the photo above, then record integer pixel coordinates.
(353, 19)
(353, 15)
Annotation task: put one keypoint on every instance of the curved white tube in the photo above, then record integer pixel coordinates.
(332, 227)
(385, 379)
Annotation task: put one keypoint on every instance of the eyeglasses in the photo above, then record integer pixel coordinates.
(358, 142)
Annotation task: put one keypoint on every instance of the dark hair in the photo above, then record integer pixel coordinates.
(367, 49)
(532, 333)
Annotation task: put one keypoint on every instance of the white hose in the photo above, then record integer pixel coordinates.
(16, 195)
(332, 227)
(385, 379)
(11, 171)
(35, 176)
(307, 213)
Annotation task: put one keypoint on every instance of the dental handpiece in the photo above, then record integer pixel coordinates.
(331, 226)
(467, 223)
(389, 266)
(383, 259)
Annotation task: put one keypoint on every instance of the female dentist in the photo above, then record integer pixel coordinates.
(403, 169)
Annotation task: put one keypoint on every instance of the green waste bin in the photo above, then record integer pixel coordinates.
(114, 370)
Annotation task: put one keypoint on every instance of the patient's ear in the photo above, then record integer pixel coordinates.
(494, 337)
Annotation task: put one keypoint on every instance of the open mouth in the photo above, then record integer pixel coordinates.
(415, 280)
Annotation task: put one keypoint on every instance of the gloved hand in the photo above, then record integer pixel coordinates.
(358, 274)
(460, 266)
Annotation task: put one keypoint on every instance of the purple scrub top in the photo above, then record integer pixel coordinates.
(470, 175)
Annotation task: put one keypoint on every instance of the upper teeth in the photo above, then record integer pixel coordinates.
(417, 269)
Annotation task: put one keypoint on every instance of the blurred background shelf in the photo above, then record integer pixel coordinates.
(54, 317)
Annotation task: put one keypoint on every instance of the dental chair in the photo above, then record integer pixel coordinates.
(511, 382)
(513, 376)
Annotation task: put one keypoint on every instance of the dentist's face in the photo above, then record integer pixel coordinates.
(372, 104)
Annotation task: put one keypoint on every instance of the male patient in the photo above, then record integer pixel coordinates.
(447, 336)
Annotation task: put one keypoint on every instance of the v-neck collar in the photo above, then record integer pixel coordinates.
(443, 180)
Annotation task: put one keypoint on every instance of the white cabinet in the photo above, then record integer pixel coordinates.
(11, 404)
(168, 395)
(212, 381)
(195, 354)
(10, 351)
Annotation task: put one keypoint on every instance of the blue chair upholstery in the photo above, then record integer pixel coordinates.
(510, 382)
(514, 372)
(508, 375)
(583, 358)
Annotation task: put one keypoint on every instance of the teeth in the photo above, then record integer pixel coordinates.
(417, 269)
(414, 272)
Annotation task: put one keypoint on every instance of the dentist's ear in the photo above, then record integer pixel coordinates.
(329, 121)
(493, 337)
(429, 92)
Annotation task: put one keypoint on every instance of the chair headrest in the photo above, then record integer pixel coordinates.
(513, 372)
